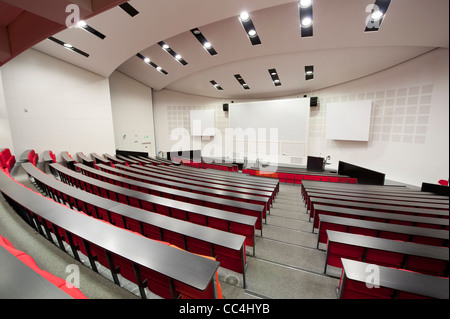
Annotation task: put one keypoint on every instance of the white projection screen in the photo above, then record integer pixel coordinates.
(289, 117)
(348, 121)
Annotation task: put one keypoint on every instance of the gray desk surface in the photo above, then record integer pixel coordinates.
(161, 258)
(386, 201)
(414, 194)
(203, 178)
(431, 286)
(381, 215)
(210, 235)
(175, 192)
(409, 230)
(397, 246)
(386, 188)
(18, 281)
(202, 210)
(180, 183)
(429, 200)
(378, 206)
(235, 188)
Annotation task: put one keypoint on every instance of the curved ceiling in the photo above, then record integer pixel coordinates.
(339, 49)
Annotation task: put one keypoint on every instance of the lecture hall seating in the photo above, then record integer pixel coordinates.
(117, 249)
(226, 247)
(403, 231)
(7, 160)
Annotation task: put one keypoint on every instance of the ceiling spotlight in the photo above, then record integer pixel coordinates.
(178, 57)
(165, 46)
(305, 3)
(147, 60)
(306, 22)
(81, 24)
(244, 16)
(207, 45)
(249, 28)
(69, 46)
(376, 15)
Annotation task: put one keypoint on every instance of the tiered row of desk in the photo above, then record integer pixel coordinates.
(212, 165)
(159, 266)
(391, 242)
(297, 176)
(198, 211)
(227, 247)
(21, 277)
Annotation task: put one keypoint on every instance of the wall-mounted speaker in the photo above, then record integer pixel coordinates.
(313, 101)
(225, 107)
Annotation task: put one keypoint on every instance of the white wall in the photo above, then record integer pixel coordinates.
(409, 138)
(5, 132)
(172, 118)
(132, 111)
(53, 105)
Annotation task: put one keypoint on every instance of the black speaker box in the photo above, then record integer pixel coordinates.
(225, 107)
(313, 101)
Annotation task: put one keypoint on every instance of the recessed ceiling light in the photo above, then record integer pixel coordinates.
(305, 3)
(309, 72)
(252, 33)
(274, 75)
(175, 55)
(247, 23)
(69, 46)
(244, 16)
(242, 82)
(204, 42)
(147, 61)
(306, 17)
(82, 25)
(128, 8)
(216, 85)
(306, 22)
(376, 15)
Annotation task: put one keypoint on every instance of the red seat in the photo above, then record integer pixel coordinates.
(360, 290)
(384, 258)
(443, 182)
(336, 251)
(427, 266)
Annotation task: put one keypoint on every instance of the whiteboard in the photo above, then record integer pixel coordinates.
(348, 121)
(202, 122)
(289, 116)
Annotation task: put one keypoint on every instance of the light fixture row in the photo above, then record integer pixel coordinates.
(151, 63)
(306, 17)
(309, 75)
(249, 28)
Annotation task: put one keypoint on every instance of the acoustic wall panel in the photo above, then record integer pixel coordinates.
(202, 122)
(349, 121)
